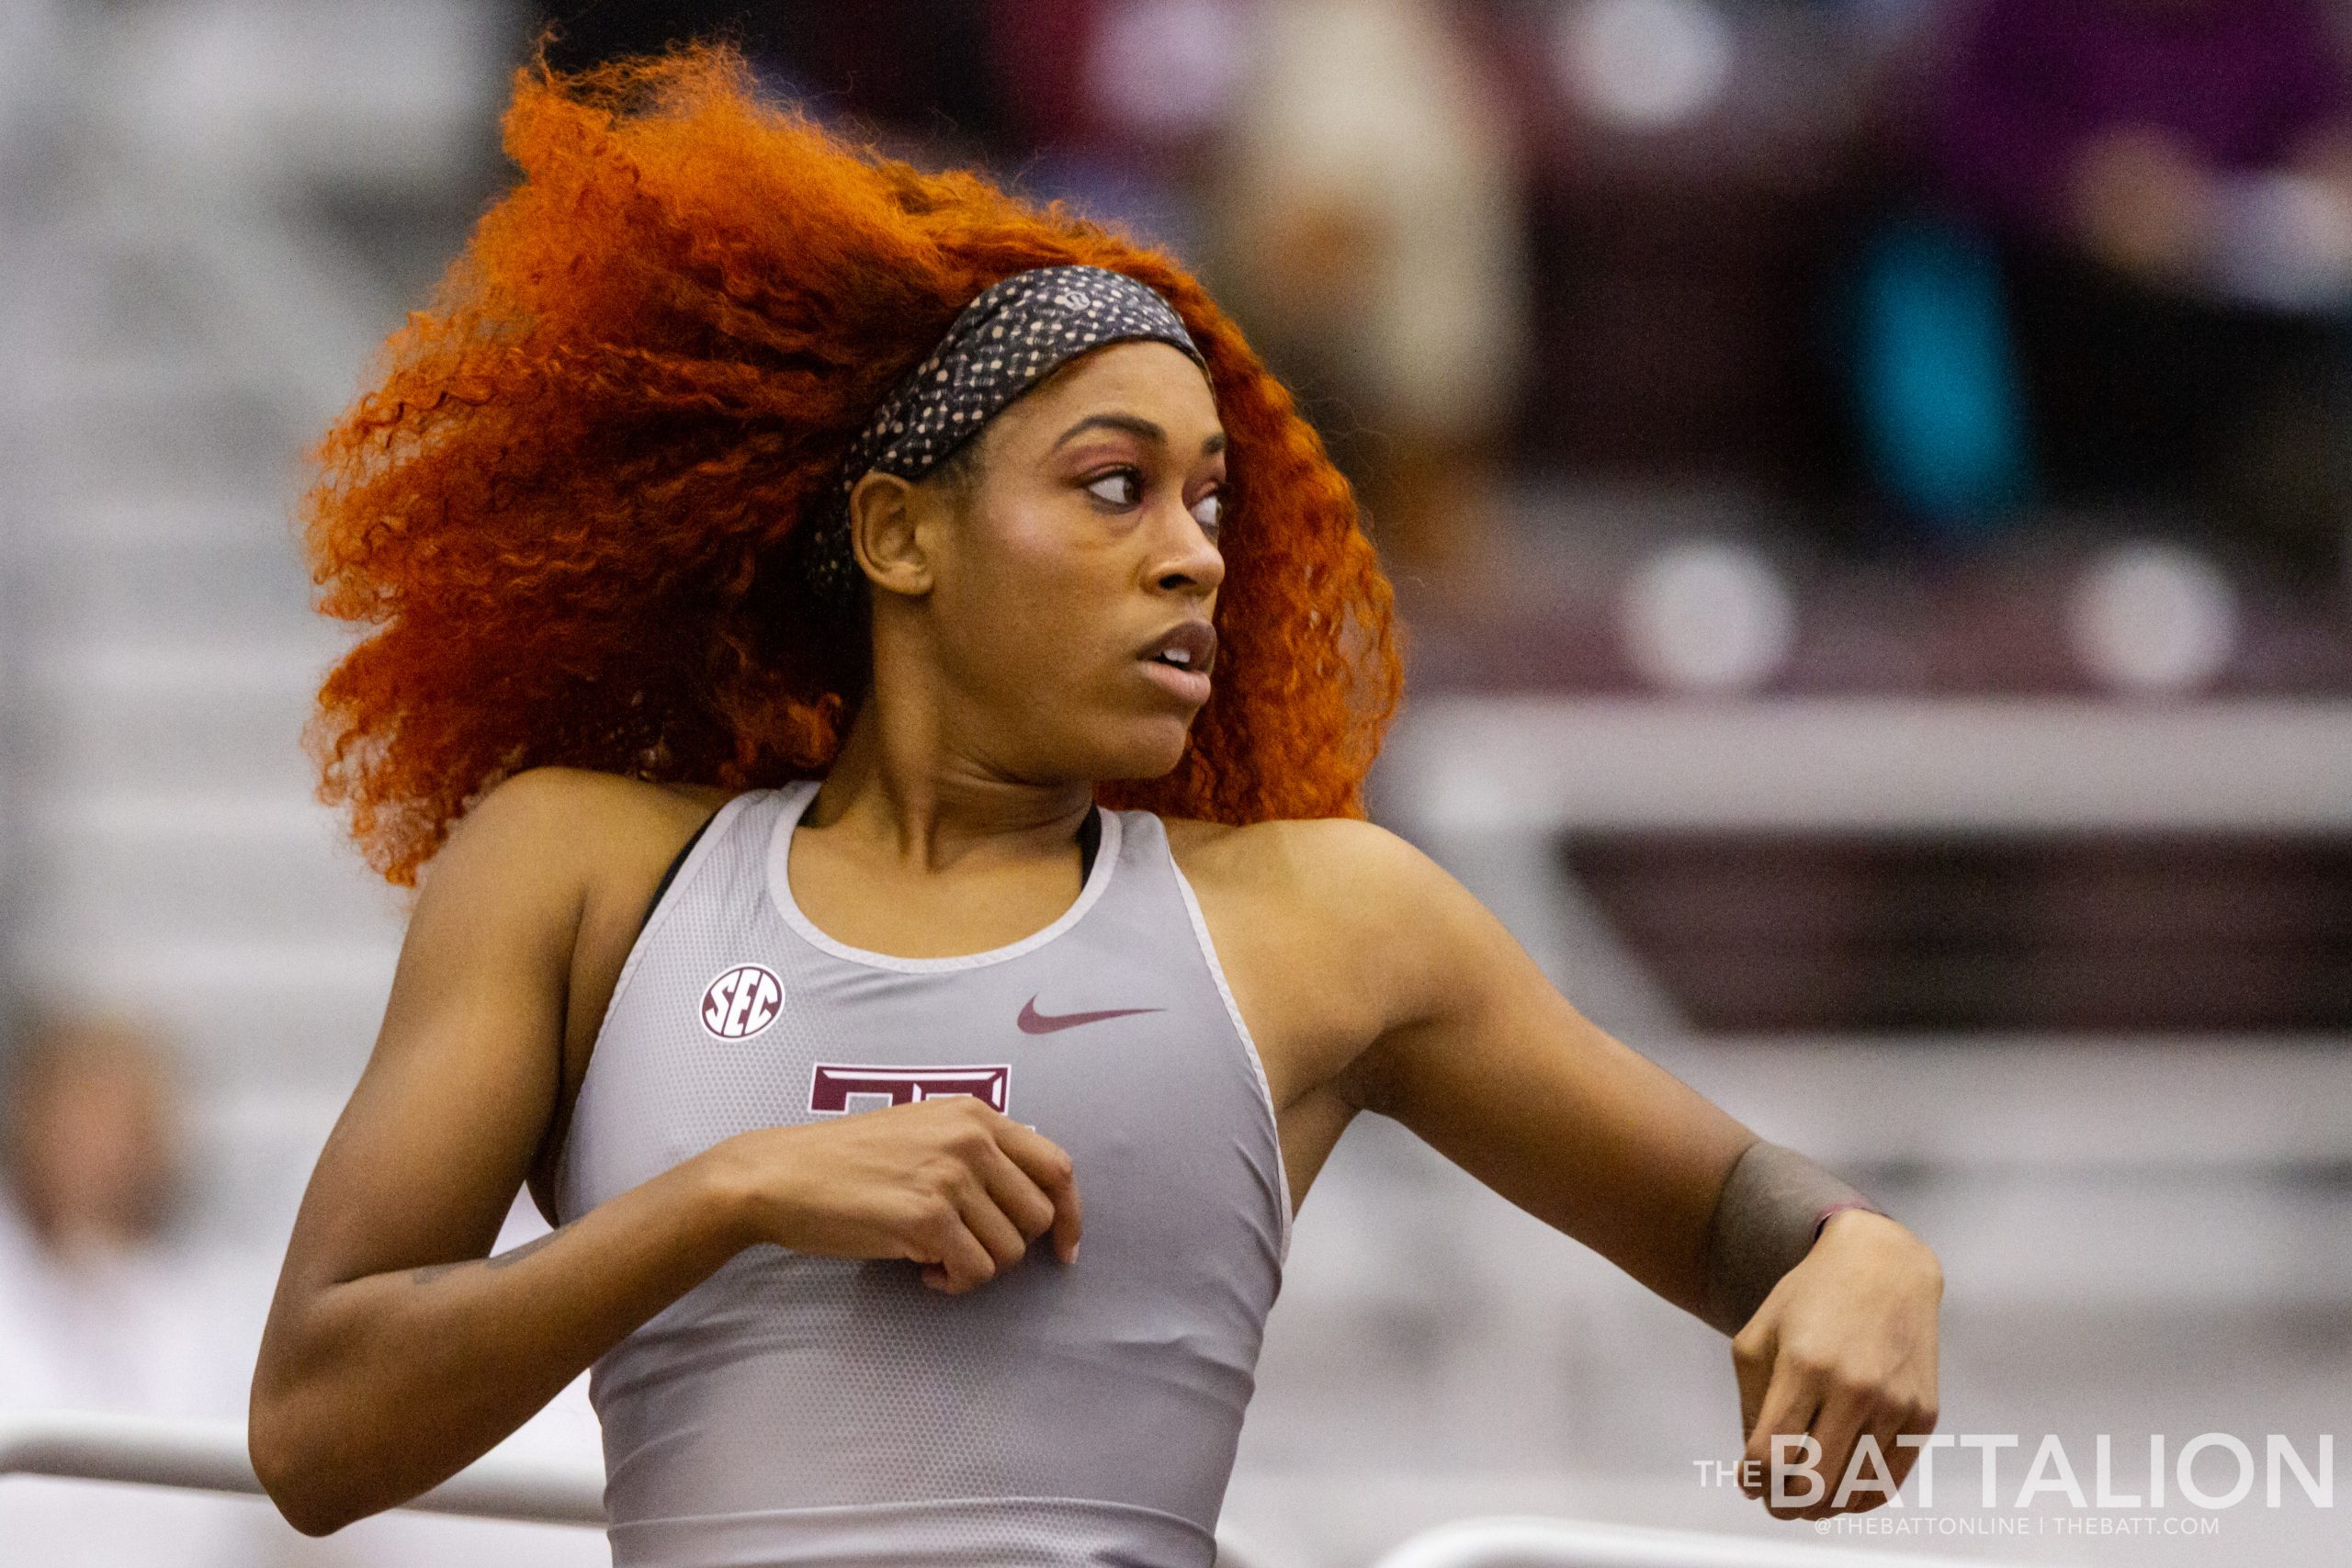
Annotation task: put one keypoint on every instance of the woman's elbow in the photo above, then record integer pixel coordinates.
(294, 1472)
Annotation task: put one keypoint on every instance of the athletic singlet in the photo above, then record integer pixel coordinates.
(802, 1409)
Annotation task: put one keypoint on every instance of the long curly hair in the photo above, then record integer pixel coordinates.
(572, 505)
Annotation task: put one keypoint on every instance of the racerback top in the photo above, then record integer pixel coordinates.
(803, 1409)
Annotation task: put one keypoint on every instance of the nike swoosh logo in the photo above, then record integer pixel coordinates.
(1032, 1021)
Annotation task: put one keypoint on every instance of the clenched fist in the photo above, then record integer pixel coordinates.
(952, 1184)
(1843, 1348)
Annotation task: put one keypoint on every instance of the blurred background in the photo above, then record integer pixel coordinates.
(1869, 487)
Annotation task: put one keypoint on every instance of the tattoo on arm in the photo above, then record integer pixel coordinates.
(1762, 1228)
(432, 1272)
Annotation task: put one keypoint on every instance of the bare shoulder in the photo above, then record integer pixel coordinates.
(583, 847)
(1327, 865)
(1345, 901)
(557, 791)
(579, 817)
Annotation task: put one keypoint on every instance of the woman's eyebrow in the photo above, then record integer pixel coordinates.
(1136, 426)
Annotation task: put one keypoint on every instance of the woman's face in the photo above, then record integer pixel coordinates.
(92, 1136)
(1087, 535)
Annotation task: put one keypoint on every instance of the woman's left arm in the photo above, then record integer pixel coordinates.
(1833, 1338)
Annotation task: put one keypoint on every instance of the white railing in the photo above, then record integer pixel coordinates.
(210, 1456)
(1537, 765)
(1506, 1542)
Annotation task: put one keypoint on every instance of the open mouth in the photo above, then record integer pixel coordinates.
(1189, 645)
(1173, 672)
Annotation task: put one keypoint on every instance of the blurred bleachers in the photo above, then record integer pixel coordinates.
(186, 311)
(212, 214)
(2098, 1062)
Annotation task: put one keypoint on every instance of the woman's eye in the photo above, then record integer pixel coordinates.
(1209, 512)
(1125, 487)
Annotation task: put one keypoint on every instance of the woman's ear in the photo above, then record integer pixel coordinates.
(887, 535)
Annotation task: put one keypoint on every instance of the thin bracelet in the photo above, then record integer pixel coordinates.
(1834, 1210)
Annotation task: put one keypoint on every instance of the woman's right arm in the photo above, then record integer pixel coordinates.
(397, 1353)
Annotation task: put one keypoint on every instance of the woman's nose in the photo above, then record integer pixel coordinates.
(1195, 557)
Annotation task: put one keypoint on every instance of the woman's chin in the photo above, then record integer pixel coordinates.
(1150, 748)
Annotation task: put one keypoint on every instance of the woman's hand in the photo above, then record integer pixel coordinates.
(1843, 1347)
(952, 1184)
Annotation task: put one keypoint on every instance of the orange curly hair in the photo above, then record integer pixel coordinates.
(571, 505)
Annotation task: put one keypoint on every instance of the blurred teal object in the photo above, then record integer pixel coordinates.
(1941, 410)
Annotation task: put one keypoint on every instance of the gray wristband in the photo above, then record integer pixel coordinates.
(1773, 1205)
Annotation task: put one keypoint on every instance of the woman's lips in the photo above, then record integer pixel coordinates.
(1190, 685)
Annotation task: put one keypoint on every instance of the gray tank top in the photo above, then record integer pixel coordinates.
(799, 1409)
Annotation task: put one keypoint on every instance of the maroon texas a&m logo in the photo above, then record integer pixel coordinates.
(833, 1083)
(741, 1002)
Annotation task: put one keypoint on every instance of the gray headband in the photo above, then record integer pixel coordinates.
(1015, 335)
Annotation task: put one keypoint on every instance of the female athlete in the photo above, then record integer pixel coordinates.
(882, 680)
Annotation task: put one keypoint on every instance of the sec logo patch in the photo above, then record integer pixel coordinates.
(741, 1002)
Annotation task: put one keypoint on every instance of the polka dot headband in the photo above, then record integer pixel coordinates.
(1015, 335)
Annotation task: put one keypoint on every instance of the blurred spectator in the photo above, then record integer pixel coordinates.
(98, 1310)
(1371, 237)
(104, 1307)
(89, 1154)
(2156, 198)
